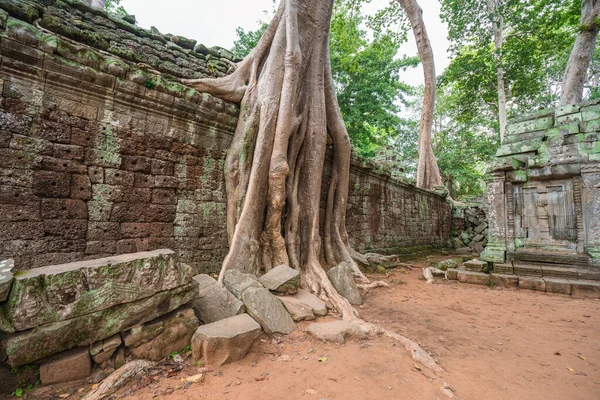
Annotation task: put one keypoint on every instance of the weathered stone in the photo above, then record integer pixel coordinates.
(103, 350)
(557, 285)
(475, 266)
(237, 282)
(343, 281)
(452, 274)
(61, 292)
(446, 264)
(437, 273)
(176, 331)
(457, 243)
(335, 332)
(268, 311)
(32, 345)
(298, 310)
(504, 269)
(317, 305)
(585, 289)
(225, 341)
(65, 367)
(481, 227)
(502, 280)
(281, 279)
(464, 250)
(214, 302)
(526, 282)
(477, 278)
(6, 278)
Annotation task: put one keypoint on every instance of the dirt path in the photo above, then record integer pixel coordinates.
(493, 344)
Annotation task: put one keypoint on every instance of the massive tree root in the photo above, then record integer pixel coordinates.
(274, 169)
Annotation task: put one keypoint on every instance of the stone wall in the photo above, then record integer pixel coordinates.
(101, 155)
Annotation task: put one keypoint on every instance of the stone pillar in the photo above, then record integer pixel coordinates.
(496, 214)
(590, 199)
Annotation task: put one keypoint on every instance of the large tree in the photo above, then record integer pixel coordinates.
(289, 116)
(581, 55)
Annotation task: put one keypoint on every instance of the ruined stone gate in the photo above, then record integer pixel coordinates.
(103, 152)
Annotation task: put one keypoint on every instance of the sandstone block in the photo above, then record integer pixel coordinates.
(298, 310)
(6, 278)
(503, 280)
(61, 292)
(225, 341)
(558, 285)
(336, 332)
(268, 311)
(475, 266)
(343, 281)
(65, 367)
(452, 274)
(35, 344)
(237, 282)
(175, 331)
(477, 278)
(531, 283)
(103, 350)
(585, 289)
(214, 302)
(317, 305)
(446, 264)
(504, 269)
(281, 279)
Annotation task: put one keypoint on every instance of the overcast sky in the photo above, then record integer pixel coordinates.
(213, 22)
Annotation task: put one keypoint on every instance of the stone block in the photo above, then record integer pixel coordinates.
(342, 279)
(446, 264)
(481, 227)
(268, 311)
(174, 333)
(585, 289)
(67, 366)
(475, 266)
(477, 278)
(557, 285)
(452, 274)
(503, 280)
(51, 184)
(35, 344)
(103, 350)
(281, 279)
(6, 278)
(504, 269)
(532, 283)
(317, 305)
(214, 302)
(225, 341)
(238, 282)
(61, 292)
(298, 310)
(335, 332)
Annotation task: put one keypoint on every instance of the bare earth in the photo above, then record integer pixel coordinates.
(492, 343)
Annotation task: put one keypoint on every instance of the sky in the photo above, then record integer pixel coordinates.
(213, 23)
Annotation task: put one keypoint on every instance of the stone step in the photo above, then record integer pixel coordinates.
(568, 259)
(225, 341)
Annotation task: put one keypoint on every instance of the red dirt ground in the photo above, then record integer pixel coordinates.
(492, 343)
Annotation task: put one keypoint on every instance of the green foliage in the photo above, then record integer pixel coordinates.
(247, 40)
(115, 7)
(19, 392)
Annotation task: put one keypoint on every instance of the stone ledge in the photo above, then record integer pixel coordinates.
(477, 278)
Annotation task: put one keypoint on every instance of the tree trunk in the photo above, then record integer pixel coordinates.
(579, 60)
(497, 28)
(428, 173)
(274, 168)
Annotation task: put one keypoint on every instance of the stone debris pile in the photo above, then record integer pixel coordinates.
(469, 229)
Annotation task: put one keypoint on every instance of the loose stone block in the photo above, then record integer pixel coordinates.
(214, 302)
(237, 282)
(281, 279)
(558, 285)
(35, 344)
(60, 292)
(298, 310)
(447, 264)
(477, 278)
(6, 278)
(585, 289)
(503, 280)
(531, 283)
(225, 341)
(343, 281)
(268, 311)
(317, 305)
(65, 367)
(174, 333)
(335, 332)
(452, 274)
(475, 266)
(103, 350)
